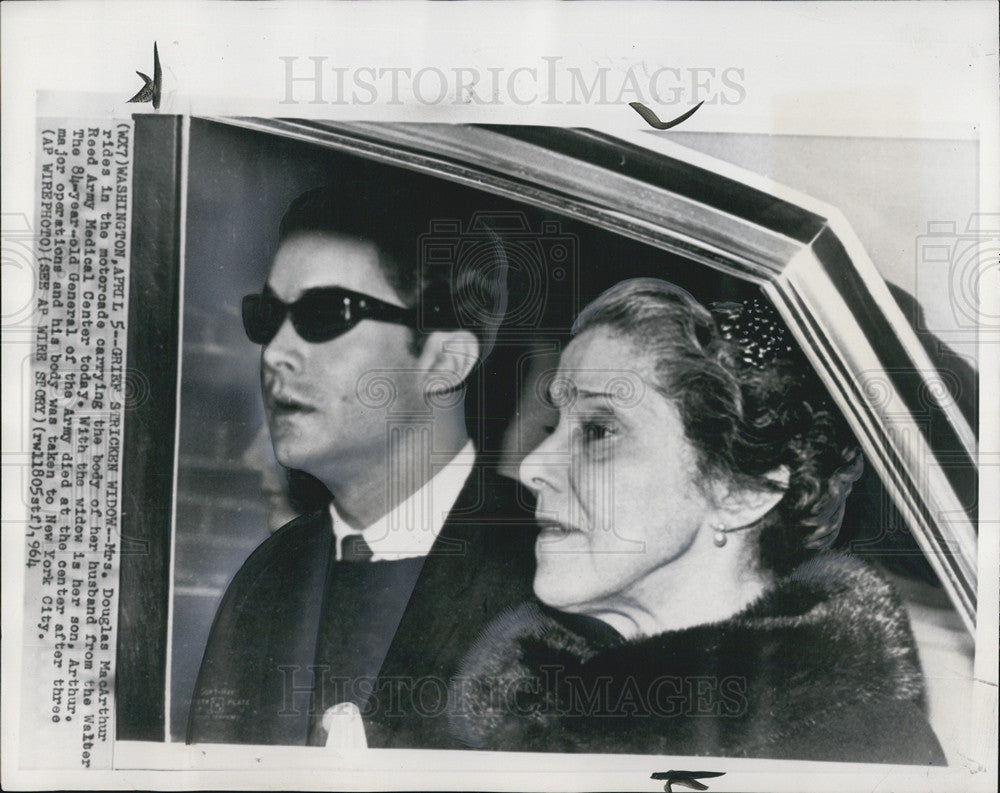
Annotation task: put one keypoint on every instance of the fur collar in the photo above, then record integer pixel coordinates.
(830, 639)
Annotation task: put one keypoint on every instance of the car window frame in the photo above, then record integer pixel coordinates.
(801, 253)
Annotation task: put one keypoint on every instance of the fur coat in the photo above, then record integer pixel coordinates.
(823, 666)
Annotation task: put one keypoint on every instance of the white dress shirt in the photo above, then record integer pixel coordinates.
(411, 527)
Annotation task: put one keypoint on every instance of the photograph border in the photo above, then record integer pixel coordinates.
(799, 293)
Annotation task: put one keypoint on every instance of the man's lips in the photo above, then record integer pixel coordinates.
(284, 404)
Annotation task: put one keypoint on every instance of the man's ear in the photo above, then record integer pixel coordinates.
(447, 359)
(737, 507)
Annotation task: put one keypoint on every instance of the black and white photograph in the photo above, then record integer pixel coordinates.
(362, 441)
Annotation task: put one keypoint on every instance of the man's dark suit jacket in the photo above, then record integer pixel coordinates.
(253, 683)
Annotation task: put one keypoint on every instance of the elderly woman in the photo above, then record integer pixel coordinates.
(684, 497)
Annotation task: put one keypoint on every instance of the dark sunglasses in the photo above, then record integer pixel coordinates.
(319, 315)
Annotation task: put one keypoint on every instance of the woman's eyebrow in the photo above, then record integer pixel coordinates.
(563, 392)
(622, 407)
(566, 394)
(587, 394)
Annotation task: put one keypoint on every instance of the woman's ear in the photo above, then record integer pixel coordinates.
(447, 359)
(737, 507)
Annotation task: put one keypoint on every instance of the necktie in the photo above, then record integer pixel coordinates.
(353, 548)
(363, 603)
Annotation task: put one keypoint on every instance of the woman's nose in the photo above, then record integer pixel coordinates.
(542, 467)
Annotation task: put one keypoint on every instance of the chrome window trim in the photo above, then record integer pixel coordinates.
(810, 280)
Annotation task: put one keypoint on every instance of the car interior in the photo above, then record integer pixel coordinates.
(230, 492)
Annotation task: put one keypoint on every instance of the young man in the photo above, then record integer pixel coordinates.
(367, 606)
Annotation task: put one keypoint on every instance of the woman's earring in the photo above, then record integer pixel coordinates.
(719, 537)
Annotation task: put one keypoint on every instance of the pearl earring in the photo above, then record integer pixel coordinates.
(719, 537)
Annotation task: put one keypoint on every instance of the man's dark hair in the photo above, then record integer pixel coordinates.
(397, 217)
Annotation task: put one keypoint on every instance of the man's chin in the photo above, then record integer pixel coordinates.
(288, 454)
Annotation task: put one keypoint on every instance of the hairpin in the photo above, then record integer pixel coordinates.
(755, 328)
